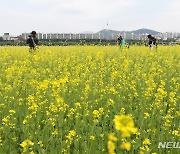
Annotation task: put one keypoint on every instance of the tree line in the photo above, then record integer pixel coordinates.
(67, 42)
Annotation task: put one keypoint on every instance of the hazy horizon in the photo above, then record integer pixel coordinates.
(75, 16)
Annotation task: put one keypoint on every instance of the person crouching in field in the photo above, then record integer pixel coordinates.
(32, 41)
(152, 42)
(121, 42)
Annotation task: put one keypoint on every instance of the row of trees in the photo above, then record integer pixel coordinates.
(61, 42)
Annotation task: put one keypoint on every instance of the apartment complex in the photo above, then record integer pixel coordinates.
(109, 36)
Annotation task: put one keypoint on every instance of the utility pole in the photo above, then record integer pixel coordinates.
(107, 31)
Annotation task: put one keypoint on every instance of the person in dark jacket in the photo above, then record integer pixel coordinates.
(32, 41)
(152, 41)
(121, 41)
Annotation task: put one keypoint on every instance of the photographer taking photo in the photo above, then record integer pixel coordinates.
(32, 41)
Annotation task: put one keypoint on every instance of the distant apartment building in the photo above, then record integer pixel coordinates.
(8, 37)
(99, 35)
(50, 36)
(24, 36)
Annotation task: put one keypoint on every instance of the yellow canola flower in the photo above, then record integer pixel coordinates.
(96, 114)
(24, 121)
(92, 138)
(12, 111)
(146, 115)
(111, 147)
(112, 137)
(122, 111)
(146, 142)
(77, 105)
(110, 102)
(23, 144)
(6, 119)
(101, 135)
(70, 136)
(176, 133)
(125, 124)
(72, 132)
(126, 146)
(26, 144)
(55, 132)
(40, 143)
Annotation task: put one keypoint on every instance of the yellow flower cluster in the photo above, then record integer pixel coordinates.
(69, 99)
(70, 136)
(125, 125)
(27, 145)
(145, 147)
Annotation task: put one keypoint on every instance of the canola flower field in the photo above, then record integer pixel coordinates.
(89, 100)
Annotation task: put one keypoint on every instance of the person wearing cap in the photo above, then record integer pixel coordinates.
(32, 41)
(152, 41)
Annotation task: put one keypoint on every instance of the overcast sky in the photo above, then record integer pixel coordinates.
(17, 16)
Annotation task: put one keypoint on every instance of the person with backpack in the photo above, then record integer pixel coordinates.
(152, 42)
(32, 41)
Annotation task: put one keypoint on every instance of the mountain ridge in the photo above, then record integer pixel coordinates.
(138, 31)
(108, 33)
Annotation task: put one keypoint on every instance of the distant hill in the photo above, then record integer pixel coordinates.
(141, 31)
(108, 33)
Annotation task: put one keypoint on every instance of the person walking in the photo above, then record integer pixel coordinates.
(32, 41)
